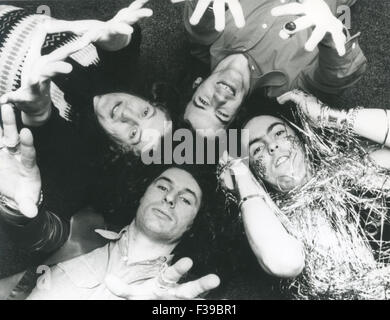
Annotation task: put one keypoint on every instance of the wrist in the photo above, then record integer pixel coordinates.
(334, 119)
(247, 186)
(37, 119)
(10, 212)
(250, 197)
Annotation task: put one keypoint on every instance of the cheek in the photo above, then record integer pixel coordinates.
(300, 163)
(262, 166)
(119, 132)
(152, 196)
(185, 215)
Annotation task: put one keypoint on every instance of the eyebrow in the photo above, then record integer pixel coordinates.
(270, 128)
(186, 189)
(224, 122)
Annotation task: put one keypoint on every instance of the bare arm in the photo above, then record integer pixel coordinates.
(372, 124)
(279, 253)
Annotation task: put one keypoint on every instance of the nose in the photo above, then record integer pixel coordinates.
(128, 116)
(272, 147)
(170, 199)
(219, 99)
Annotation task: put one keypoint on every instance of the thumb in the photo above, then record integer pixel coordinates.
(122, 28)
(11, 97)
(28, 208)
(5, 98)
(55, 68)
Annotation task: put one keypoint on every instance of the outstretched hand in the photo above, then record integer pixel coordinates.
(165, 287)
(233, 169)
(115, 34)
(219, 12)
(20, 179)
(317, 14)
(33, 96)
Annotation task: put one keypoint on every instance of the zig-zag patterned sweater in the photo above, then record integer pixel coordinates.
(95, 71)
(16, 30)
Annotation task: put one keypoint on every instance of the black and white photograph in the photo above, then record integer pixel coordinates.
(207, 150)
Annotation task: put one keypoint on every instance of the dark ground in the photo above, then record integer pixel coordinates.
(164, 56)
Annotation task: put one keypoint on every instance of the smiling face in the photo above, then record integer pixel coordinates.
(276, 154)
(216, 101)
(130, 121)
(169, 206)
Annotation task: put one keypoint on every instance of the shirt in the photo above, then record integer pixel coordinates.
(82, 278)
(276, 65)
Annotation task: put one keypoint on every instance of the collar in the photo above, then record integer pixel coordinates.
(264, 78)
(122, 239)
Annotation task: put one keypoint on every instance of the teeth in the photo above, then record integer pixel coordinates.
(203, 101)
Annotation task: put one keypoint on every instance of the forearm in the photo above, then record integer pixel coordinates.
(278, 253)
(78, 27)
(331, 73)
(38, 119)
(373, 124)
(204, 32)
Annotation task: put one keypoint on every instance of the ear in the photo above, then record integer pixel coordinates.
(197, 82)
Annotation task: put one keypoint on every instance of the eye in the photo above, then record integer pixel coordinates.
(133, 133)
(162, 188)
(258, 149)
(146, 112)
(280, 133)
(186, 201)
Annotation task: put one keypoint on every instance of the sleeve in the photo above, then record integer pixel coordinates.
(201, 36)
(64, 186)
(332, 74)
(55, 286)
(44, 233)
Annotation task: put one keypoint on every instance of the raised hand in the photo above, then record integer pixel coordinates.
(33, 96)
(317, 14)
(115, 34)
(232, 168)
(165, 287)
(219, 12)
(20, 179)
(309, 104)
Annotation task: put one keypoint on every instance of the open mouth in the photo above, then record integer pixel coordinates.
(201, 102)
(227, 87)
(162, 213)
(281, 160)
